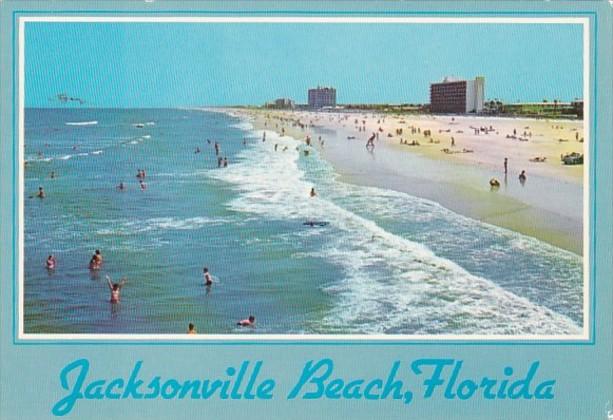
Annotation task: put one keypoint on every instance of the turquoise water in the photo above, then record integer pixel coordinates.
(386, 263)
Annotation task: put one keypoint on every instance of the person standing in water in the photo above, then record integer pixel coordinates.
(506, 161)
(313, 193)
(41, 193)
(522, 177)
(50, 263)
(208, 279)
(191, 329)
(216, 149)
(115, 289)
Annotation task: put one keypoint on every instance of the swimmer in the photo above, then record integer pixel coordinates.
(41, 193)
(191, 329)
(249, 322)
(93, 265)
(142, 184)
(225, 162)
(115, 288)
(96, 262)
(121, 186)
(52, 175)
(50, 263)
(522, 177)
(313, 193)
(208, 279)
(197, 150)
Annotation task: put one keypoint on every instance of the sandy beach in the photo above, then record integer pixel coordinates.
(415, 154)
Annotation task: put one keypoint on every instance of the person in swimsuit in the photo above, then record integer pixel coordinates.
(96, 262)
(313, 193)
(50, 262)
(41, 193)
(522, 177)
(115, 289)
(208, 279)
(142, 184)
(249, 322)
(191, 329)
(93, 265)
(121, 186)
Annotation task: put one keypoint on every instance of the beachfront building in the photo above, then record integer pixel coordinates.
(281, 103)
(321, 97)
(454, 96)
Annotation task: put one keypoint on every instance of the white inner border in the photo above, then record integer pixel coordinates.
(587, 119)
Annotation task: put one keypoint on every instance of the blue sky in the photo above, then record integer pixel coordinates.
(178, 64)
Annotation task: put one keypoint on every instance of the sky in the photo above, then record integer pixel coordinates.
(194, 64)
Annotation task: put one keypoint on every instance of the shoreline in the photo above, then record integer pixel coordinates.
(457, 182)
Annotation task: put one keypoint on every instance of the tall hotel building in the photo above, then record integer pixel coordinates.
(452, 96)
(322, 97)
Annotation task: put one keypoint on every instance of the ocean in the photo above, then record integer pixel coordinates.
(385, 262)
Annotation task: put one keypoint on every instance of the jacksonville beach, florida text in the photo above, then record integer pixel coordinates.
(404, 381)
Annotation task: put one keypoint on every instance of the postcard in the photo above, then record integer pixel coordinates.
(321, 210)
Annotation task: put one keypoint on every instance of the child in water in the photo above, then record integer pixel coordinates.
(115, 289)
(208, 279)
(50, 262)
(249, 322)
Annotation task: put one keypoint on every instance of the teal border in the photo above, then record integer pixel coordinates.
(129, 342)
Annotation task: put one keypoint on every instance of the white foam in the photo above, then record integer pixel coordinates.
(82, 123)
(244, 125)
(391, 284)
(158, 223)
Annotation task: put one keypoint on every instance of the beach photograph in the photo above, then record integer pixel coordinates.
(309, 178)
